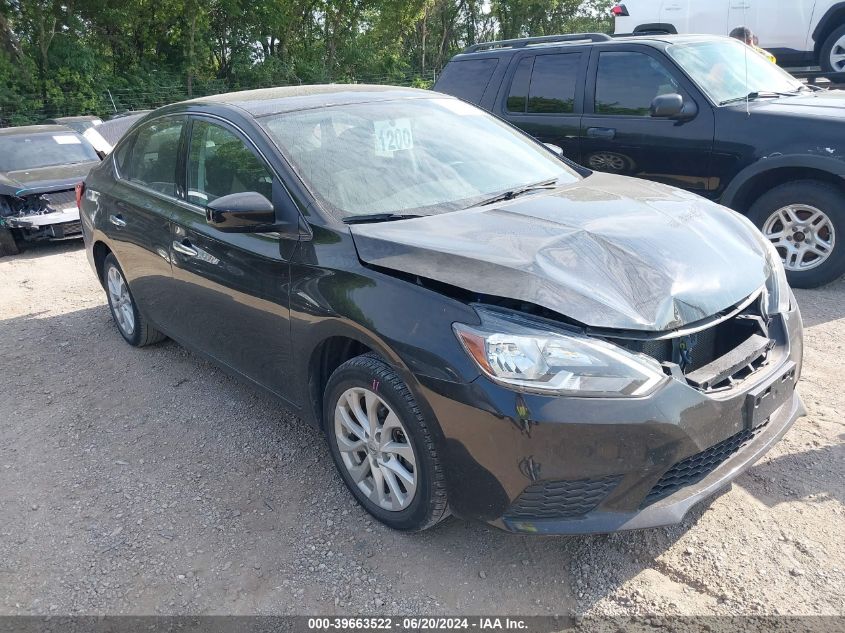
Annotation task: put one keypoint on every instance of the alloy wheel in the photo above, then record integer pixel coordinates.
(606, 161)
(802, 234)
(121, 302)
(837, 55)
(375, 449)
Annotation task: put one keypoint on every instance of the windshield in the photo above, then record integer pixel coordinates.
(31, 151)
(729, 70)
(410, 156)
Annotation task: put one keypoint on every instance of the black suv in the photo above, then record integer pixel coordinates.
(704, 113)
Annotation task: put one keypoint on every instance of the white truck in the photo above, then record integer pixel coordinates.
(797, 32)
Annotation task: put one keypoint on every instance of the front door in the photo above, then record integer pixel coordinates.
(233, 302)
(619, 136)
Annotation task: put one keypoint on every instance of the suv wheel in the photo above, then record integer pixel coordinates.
(130, 322)
(832, 53)
(382, 445)
(805, 220)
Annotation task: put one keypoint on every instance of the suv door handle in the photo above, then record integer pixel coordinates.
(601, 132)
(117, 220)
(185, 248)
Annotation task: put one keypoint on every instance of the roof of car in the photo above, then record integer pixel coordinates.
(35, 129)
(623, 39)
(73, 119)
(264, 101)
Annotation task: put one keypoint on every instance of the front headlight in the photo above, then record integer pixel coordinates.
(517, 352)
(777, 287)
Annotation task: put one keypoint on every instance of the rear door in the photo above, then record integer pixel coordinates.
(779, 24)
(695, 16)
(619, 136)
(542, 94)
(139, 207)
(233, 287)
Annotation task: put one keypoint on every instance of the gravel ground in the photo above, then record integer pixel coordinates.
(147, 481)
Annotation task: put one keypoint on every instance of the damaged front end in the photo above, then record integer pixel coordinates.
(52, 215)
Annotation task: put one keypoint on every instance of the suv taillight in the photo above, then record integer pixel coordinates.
(80, 191)
(619, 11)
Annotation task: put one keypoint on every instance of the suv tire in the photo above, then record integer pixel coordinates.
(832, 45)
(131, 324)
(400, 441)
(802, 199)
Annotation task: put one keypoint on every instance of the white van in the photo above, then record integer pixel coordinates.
(797, 32)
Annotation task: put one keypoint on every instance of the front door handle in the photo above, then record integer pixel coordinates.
(185, 248)
(117, 220)
(607, 133)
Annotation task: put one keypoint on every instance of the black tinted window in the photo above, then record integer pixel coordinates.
(553, 79)
(467, 79)
(518, 95)
(219, 163)
(628, 82)
(152, 160)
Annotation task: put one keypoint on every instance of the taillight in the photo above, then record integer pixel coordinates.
(80, 191)
(620, 11)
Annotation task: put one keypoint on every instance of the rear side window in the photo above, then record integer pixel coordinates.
(152, 160)
(545, 84)
(627, 83)
(467, 79)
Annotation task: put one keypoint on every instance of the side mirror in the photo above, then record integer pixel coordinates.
(555, 149)
(241, 213)
(672, 106)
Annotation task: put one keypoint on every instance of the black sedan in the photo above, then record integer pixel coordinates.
(477, 326)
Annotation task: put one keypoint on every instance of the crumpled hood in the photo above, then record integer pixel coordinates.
(44, 179)
(607, 251)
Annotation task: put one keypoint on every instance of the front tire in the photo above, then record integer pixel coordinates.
(832, 53)
(805, 220)
(132, 325)
(383, 446)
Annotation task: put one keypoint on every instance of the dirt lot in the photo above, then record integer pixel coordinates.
(147, 481)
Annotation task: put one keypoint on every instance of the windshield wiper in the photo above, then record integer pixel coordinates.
(513, 193)
(377, 217)
(757, 94)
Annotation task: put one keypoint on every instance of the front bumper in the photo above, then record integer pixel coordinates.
(602, 465)
(57, 225)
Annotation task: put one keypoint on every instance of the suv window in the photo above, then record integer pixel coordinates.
(627, 83)
(220, 163)
(467, 79)
(549, 84)
(154, 155)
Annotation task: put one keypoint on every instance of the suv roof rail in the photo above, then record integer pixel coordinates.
(522, 42)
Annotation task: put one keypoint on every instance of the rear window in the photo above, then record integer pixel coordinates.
(467, 79)
(545, 84)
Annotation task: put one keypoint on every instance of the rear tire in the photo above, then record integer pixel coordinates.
(397, 439)
(8, 245)
(132, 325)
(832, 53)
(805, 219)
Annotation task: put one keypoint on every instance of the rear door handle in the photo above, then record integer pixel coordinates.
(185, 248)
(601, 132)
(117, 220)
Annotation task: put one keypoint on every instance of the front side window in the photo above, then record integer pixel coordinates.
(627, 83)
(219, 164)
(412, 156)
(154, 155)
(728, 70)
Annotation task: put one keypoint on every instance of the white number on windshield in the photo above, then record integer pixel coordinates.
(392, 136)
